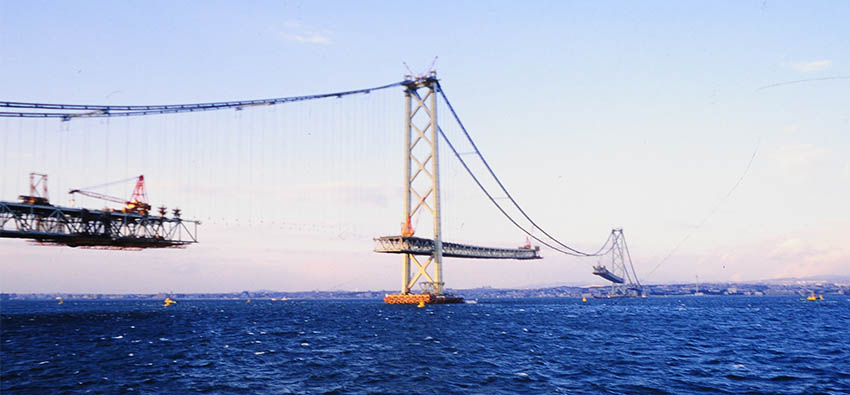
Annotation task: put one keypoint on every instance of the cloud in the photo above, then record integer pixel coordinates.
(298, 32)
(313, 38)
(808, 67)
(801, 157)
(816, 251)
(790, 247)
(795, 257)
(792, 128)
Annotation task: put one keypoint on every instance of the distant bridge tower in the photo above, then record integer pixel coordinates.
(624, 281)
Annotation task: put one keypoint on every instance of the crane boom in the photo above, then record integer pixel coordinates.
(98, 196)
(137, 203)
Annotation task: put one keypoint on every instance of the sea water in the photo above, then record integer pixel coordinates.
(652, 345)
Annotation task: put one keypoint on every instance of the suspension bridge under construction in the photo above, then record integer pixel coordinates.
(135, 225)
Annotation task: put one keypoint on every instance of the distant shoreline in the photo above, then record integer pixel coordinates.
(778, 288)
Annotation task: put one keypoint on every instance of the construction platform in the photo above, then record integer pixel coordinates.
(101, 229)
(427, 298)
(420, 246)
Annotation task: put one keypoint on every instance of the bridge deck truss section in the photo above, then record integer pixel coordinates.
(421, 246)
(102, 229)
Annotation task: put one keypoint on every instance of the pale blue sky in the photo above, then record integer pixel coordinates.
(639, 115)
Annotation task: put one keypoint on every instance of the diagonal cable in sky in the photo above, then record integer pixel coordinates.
(710, 214)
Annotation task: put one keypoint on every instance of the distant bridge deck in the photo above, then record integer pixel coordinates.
(420, 246)
(603, 272)
(79, 227)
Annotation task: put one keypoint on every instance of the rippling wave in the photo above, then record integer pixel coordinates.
(656, 345)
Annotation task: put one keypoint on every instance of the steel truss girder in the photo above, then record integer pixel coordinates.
(93, 228)
(420, 246)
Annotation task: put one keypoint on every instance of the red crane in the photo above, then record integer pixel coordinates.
(136, 204)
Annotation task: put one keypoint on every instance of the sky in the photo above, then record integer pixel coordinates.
(716, 134)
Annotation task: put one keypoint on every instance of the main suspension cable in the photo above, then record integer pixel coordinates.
(101, 111)
(507, 194)
(498, 206)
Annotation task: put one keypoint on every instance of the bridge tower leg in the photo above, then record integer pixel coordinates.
(422, 180)
(618, 264)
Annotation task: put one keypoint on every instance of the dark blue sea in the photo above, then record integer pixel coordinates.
(655, 345)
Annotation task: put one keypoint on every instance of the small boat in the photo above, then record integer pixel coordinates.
(813, 298)
(169, 302)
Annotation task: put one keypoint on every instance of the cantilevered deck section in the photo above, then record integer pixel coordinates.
(420, 246)
(78, 227)
(603, 272)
